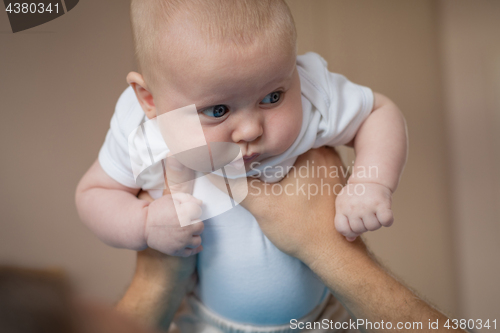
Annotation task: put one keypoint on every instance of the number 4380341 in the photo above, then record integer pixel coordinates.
(470, 324)
(32, 8)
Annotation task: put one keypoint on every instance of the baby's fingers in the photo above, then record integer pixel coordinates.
(190, 210)
(195, 228)
(182, 197)
(357, 225)
(385, 217)
(188, 214)
(371, 222)
(190, 252)
(194, 242)
(343, 227)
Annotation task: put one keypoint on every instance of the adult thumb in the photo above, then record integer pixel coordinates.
(254, 196)
(178, 178)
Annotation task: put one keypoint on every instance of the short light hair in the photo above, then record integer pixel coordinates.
(228, 23)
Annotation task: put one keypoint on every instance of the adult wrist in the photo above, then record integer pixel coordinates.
(158, 287)
(340, 263)
(160, 268)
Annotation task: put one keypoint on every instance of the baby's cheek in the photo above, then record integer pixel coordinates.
(216, 134)
(283, 130)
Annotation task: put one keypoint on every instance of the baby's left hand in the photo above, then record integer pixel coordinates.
(362, 207)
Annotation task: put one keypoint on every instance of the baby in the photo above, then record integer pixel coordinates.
(236, 61)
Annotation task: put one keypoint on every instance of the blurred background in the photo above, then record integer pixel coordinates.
(439, 60)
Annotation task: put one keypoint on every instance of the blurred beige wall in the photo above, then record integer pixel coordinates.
(59, 85)
(471, 64)
(392, 47)
(60, 82)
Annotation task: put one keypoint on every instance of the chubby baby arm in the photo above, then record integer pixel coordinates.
(114, 213)
(381, 146)
(163, 230)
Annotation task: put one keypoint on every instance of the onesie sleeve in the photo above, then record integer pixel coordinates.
(350, 106)
(342, 104)
(114, 154)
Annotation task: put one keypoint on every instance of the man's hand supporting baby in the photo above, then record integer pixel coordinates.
(301, 228)
(381, 153)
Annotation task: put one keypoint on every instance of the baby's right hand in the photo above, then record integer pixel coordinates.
(163, 229)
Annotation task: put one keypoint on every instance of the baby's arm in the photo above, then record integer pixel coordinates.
(381, 152)
(114, 213)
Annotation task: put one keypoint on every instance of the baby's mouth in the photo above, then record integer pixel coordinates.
(250, 158)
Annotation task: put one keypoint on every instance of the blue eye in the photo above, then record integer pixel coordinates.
(272, 98)
(216, 111)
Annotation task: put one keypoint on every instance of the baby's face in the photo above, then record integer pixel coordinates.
(250, 97)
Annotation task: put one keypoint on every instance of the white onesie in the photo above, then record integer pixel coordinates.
(243, 277)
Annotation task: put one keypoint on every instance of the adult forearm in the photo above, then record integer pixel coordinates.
(118, 218)
(158, 288)
(371, 294)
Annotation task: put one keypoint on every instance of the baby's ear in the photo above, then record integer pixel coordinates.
(144, 96)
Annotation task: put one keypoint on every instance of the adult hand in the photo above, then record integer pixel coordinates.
(300, 220)
(302, 225)
(159, 284)
(160, 281)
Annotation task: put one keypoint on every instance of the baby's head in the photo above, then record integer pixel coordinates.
(233, 59)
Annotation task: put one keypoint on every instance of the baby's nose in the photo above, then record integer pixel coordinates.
(248, 129)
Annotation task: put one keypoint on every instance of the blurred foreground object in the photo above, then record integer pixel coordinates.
(35, 301)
